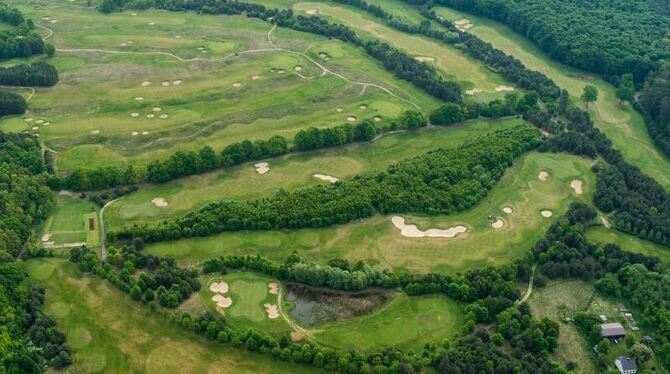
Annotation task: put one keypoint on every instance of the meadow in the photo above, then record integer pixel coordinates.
(111, 333)
(376, 239)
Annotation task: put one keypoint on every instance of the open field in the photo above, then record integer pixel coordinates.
(69, 223)
(288, 173)
(406, 322)
(622, 124)
(629, 243)
(111, 333)
(378, 241)
(191, 80)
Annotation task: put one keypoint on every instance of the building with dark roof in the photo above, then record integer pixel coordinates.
(612, 331)
(626, 365)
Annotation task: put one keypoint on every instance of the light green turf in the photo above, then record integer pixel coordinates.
(68, 222)
(376, 239)
(622, 124)
(287, 173)
(627, 242)
(111, 333)
(97, 89)
(92, 236)
(404, 323)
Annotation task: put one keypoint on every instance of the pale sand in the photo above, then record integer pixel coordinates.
(146, 83)
(28, 119)
(134, 133)
(351, 118)
(237, 84)
(327, 178)
(577, 186)
(54, 21)
(323, 55)
(339, 110)
(37, 128)
(280, 71)
(256, 77)
(123, 44)
(312, 11)
(156, 109)
(546, 213)
(298, 68)
(543, 176)
(363, 106)
(411, 231)
(424, 58)
(473, 91)
(134, 115)
(272, 311)
(176, 82)
(262, 167)
(165, 83)
(39, 121)
(95, 132)
(177, 36)
(498, 224)
(47, 236)
(219, 287)
(151, 23)
(145, 132)
(163, 116)
(273, 288)
(508, 209)
(159, 202)
(139, 98)
(151, 115)
(47, 123)
(222, 301)
(377, 118)
(502, 88)
(133, 14)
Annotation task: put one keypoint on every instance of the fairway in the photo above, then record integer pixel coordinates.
(68, 224)
(604, 235)
(406, 322)
(111, 333)
(378, 241)
(620, 122)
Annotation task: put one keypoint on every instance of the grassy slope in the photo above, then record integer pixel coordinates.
(623, 125)
(601, 234)
(404, 323)
(378, 241)
(110, 332)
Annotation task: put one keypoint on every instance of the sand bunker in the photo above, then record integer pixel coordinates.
(577, 186)
(28, 119)
(508, 209)
(156, 109)
(262, 167)
(273, 288)
(46, 236)
(39, 121)
(324, 56)
(312, 11)
(139, 98)
(159, 202)
(151, 115)
(123, 44)
(351, 118)
(47, 123)
(134, 115)
(543, 176)
(237, 84)
(272, 311)
(256, 77)
(177, 36)
(95, 132)
(424, 58)
(222, 301)
(473, 91)
(327, 178)
(163, 116)
(145, 132)
(463, 25)
(37, 128)
(411, 231)
(498, 224)
(377, 118)
(339, 110)
(54, 21)
(133, 14)
(503, 88)
(363, 106)
(297, 68)
(151, 23)
(280, 71)
(146, 83)
(546, 213)
(165, 83)
(134, 133)
(176, 82)
(219, 287)
(297, 336)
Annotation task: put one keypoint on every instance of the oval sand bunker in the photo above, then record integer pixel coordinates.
(222, 301)
(262, 167)
(219, 287)
(543, 176)
(546, 213)
(159, 202)
(326, 178)
(577, 185)
(237, 84)
(351, 118)
(498, 224)
(508, 209)
(411, 231)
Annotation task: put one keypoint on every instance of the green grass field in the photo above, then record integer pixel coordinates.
(376, 239)
(111, 333)
(68, 223)
(622, 124)
(404, 323)
(629, 243)
(288, 173)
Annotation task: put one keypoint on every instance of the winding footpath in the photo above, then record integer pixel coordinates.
(103, 234)
(530, 287)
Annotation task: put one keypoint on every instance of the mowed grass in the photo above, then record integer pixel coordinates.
(622, 124)
(287, 173)
(68, 222)
(111, 333)
(404, 323)
(629, 243)
(89, 111)
(376, 240)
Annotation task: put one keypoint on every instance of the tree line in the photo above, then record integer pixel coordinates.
(37, 74)
(655, 102)
(29, 338)
(438, 182)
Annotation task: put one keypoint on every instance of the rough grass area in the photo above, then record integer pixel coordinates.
(622, 124)
(405, 323)
(376, 239)
(601, 234)
(111, 333)
(68, 222)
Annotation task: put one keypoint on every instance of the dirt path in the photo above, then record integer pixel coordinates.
(530, 286)
(288, 320)
(103, 234)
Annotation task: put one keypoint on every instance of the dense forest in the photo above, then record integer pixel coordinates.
(655, 99)
(610, 37)
(20, 41)
(37, 74)
(11, 103)
(29, 340)
(439, 182)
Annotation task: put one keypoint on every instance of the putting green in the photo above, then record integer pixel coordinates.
(68, 223)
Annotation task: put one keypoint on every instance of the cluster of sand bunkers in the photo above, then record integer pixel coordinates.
(412, 231)
(35, 123)
(501, 88)
(264, 167)
(221, 288)
(50, 19)
(463, 24)
(159, 202)
(156, 111)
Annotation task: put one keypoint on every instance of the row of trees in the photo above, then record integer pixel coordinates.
(439, 182)
(37, 74)
(655, 100)
(29, 338)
